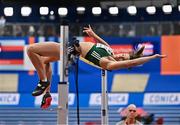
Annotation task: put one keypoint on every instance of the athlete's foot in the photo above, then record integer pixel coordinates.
(46, 101)
(137, 53)
(41, 87)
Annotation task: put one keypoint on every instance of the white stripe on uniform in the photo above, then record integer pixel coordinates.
(96, 55)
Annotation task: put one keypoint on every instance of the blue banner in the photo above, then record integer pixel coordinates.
(94, 99)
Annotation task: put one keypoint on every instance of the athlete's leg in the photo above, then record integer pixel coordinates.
(48, 68)
(48, 75)
(47, 49)
(36, 53)
(46, 100)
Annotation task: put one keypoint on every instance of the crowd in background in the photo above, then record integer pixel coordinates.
(103, 29)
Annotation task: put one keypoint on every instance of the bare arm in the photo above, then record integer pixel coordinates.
(91, 33)
(132, 63)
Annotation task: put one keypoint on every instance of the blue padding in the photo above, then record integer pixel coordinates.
(54, 83)
(134, 98)
(27, 83)
(166, 83)
(87, 83)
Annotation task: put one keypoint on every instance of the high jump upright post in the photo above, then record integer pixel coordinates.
(63, 86)
(104, 98)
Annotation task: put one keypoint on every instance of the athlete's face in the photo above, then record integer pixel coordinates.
(123, 56)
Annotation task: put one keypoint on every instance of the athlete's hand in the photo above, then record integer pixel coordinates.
(160, 56)
(89, 31)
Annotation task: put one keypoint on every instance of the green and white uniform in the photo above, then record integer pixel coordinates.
(97, 52)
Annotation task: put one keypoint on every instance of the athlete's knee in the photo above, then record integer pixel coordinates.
(30, 49)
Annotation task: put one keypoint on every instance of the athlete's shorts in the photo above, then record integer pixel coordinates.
(97, 52)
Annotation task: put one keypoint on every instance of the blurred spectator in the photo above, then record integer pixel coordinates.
(31, 31)
(0, 47)
(142, 115)
(50, 30)
(121, 30)
(92, 123)
(131, 33)
(140, 112)
(177, 28)
(148, 119)
(40, 31)
(166, 28)
(100, 29)
(103, 29)
(2, 21)
(18, 31)
(2, 25)
(159, 121)
(131, 114)
(152, 30)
